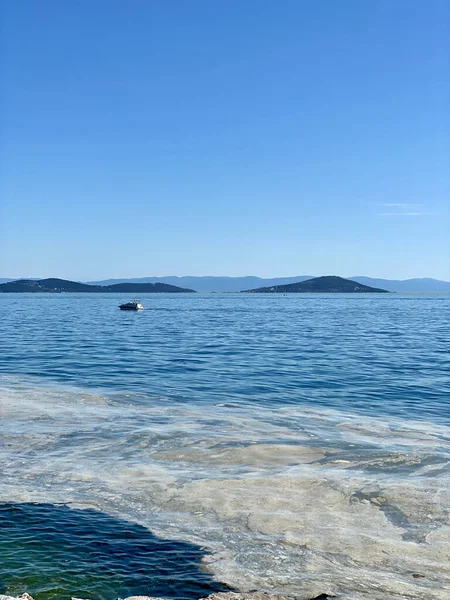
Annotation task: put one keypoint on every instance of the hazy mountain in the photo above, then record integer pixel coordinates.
(237, 284)
(209, 284)
(54, 285)
(406, 285)
(7, 279)
(330, 284)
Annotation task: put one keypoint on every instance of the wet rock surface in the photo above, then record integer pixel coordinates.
(259, 596)
(217, 596)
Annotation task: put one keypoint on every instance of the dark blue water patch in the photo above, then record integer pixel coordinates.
(55, 552)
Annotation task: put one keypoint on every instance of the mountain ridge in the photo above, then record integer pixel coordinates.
(211, 283)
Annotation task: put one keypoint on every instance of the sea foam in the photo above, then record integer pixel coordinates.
(286, 499)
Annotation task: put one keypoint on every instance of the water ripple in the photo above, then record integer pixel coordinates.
(386, 354)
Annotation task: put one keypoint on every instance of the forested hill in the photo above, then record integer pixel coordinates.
(54, 285)
(329, 284)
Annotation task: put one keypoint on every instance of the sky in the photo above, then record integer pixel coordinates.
(225, 137)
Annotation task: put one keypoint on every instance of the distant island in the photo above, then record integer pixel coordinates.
(237, 284)
(60, 286)
(208, 283)
(330, 284)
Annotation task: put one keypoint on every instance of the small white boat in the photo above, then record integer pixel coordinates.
(133, 305)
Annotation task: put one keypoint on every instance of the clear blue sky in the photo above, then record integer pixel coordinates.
(225, 137)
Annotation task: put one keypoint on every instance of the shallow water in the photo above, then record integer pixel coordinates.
(304, 441)
(56, 551)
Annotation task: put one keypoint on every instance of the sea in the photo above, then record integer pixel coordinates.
(296, 444)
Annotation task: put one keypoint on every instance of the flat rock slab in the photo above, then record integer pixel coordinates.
(238, 596)
(260, 596)
(141, 598)
(218, 596)
(229, 596)
(248, 596)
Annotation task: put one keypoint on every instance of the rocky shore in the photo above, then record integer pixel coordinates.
(217, 596)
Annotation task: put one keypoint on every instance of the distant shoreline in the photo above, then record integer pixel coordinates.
(329, 284)
(226, 284)
(63, 286)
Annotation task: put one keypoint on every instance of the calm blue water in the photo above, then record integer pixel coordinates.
(387, 355)
(294, 444)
